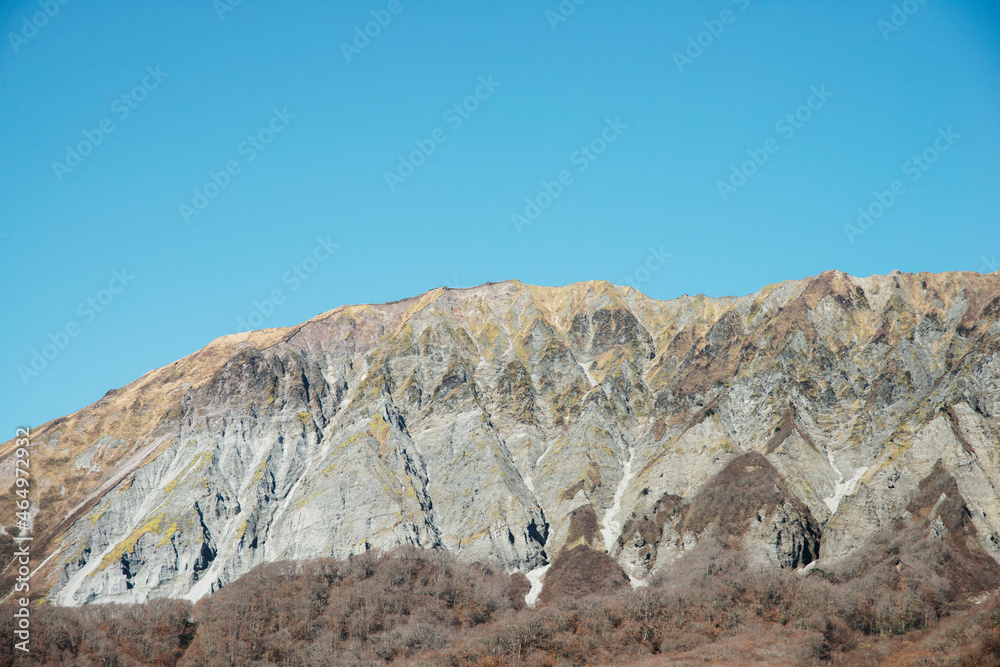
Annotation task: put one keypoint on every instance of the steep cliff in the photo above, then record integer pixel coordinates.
(795, 421)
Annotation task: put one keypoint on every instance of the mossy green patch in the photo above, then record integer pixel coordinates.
(154, 526)
(98, 515)
(379, 428)
(300, 503)
(197, 464)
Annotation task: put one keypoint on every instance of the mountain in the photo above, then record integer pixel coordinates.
(560, 431)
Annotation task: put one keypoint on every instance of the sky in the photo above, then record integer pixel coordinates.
(175, 172)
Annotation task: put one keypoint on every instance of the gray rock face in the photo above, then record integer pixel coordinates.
(480, 420)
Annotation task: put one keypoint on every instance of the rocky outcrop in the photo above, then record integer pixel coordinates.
(795, 422)
(931, 549)
(582, 567)
(748, 502)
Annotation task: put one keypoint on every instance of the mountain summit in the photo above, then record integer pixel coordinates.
(551, 429)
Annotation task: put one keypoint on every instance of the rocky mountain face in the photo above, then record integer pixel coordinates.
(541, 427)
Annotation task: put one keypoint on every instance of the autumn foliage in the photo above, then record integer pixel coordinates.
(415, 607)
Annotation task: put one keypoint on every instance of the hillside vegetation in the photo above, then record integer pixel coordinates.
(417, 607)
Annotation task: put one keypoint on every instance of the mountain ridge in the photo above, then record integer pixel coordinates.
(580, 380)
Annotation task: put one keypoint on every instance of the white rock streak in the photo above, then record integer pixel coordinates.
(842, 488)
(612, 523)
(586, 371)
(204, 585)
(535, 577)
(637, 583)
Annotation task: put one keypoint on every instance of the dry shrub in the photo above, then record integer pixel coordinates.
(414, 607)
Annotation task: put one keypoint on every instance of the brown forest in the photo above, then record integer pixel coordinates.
(890, 604)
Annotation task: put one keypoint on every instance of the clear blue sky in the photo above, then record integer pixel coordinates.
(678, 128)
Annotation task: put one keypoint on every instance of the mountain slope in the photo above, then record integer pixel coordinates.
(482, 420)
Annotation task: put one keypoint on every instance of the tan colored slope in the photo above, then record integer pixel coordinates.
(76, 458)
(106, 436)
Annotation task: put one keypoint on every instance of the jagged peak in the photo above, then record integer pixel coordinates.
(554, 301)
